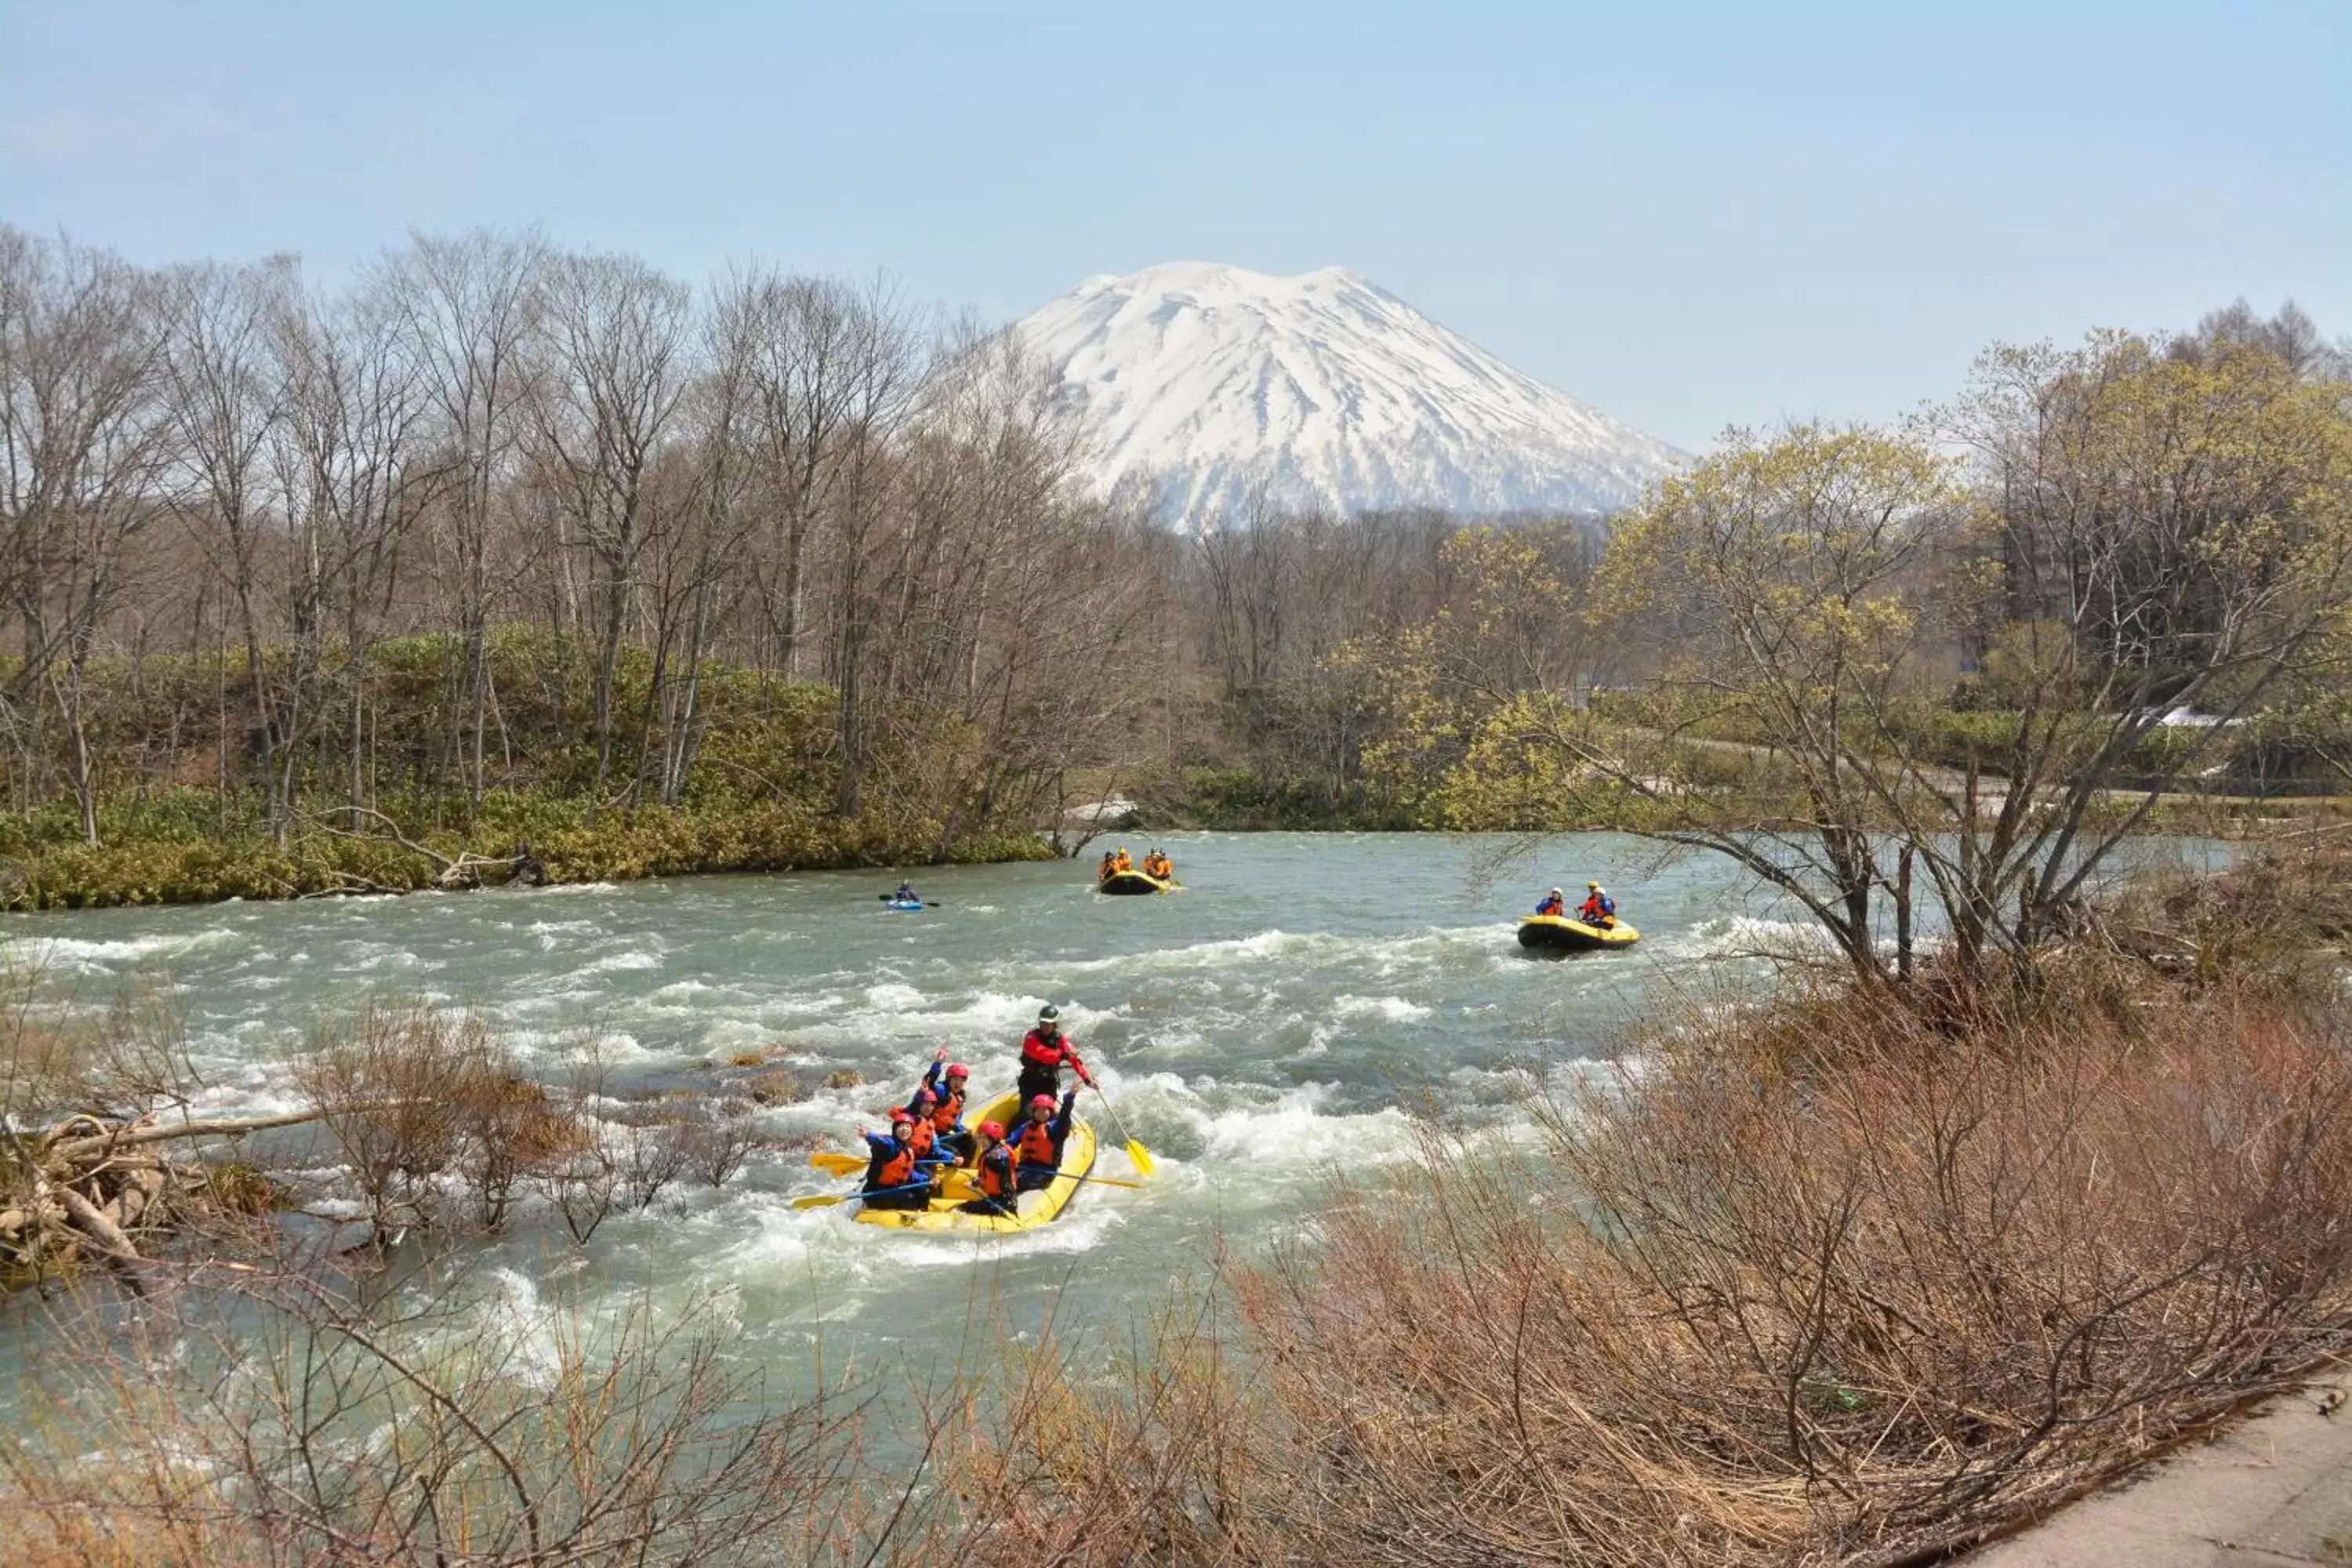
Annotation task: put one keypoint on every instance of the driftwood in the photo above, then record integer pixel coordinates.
(91, 1185)
(463, 870)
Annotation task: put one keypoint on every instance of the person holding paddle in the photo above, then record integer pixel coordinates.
(1037, 1143)
(995, 1171)
(892, 1181)
(1045, 1052)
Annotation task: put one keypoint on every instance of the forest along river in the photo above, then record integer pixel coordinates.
(1256, 1031)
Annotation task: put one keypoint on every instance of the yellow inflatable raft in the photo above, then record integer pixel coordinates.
(1040, 1207)
(1558, 933)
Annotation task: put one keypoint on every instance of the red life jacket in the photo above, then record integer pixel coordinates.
(1056, 1053)
(996, 1173)
(1036, 1144)
(949, 1111)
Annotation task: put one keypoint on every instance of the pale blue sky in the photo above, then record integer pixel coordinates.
(1690, 215)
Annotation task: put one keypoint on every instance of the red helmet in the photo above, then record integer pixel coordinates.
(991, 1129)
(925, 1096)
(902, 1117)
(957, 1069)
(1038, 1100)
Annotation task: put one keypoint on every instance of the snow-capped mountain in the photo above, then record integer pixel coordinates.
(1226, 385)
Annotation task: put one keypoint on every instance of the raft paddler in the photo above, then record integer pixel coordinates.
(1045, 1052)
(895, 1178)
(996, 1169)
(1037, 1143)
(1599, 909)
(1554, 903)
(944, 1080)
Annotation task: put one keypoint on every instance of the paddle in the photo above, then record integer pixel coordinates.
(834, 1165)
(1135, 1151)
(892, 898)
(965, 1183)
(826, 1200)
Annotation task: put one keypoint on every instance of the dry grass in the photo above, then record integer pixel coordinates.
(1840, 1279)
(2281, 913)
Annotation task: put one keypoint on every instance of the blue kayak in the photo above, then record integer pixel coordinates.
(903, 904)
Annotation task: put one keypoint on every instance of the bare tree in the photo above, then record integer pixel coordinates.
(84, 440)
(616, 338)
(468, 303)
(356, 478)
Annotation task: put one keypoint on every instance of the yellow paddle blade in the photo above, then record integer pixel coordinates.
(823, 1201)
(837, 1165)
(1140, 1155)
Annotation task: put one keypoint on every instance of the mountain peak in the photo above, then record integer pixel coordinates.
(1322, 388)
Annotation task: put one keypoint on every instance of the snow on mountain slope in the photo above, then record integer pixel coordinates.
(1227, 384)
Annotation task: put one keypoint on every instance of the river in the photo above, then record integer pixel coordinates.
(1256, 1031)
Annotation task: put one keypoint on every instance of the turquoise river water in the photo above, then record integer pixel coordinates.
(1256, 1031)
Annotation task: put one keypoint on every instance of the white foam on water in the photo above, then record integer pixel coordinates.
(86, 955)
(1395, 1009)
(631, 959)
(1745, 936)
(391, 957)
(528, 1324)
(247, 1089)
(1295, 1133)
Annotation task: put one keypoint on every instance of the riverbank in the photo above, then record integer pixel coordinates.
(192, 846)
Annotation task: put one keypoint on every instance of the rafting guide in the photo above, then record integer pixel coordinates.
(1045, 1052)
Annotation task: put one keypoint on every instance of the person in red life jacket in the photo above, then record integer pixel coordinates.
(1038, 1141)
(997, 1168)
(1045, 1052)
(1599, 909)
(1554, 903)
(944, 1080)
(892, 1178)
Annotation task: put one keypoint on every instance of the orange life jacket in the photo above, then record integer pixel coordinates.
(920, 1138)
(897, 1171)
(949, 1111)
(1036, 1144)
(996, 1172)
